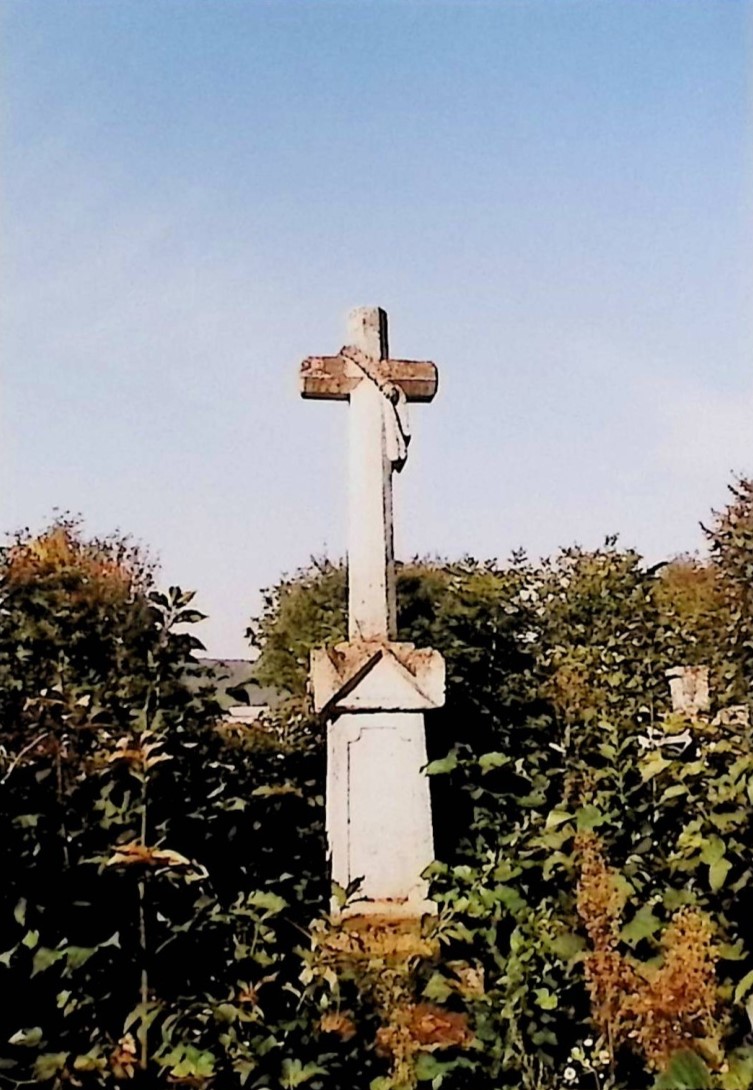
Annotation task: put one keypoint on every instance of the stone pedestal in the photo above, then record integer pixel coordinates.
(379, 826)
(379, 811)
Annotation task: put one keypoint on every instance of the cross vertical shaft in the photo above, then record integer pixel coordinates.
(371, 560)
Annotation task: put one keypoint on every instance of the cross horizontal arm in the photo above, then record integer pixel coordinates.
(335, 377)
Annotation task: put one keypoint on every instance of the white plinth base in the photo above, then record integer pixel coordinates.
(386, 912)
(379, 812)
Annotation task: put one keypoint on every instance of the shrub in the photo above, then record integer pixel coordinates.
(165, 873)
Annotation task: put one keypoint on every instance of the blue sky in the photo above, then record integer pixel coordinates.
(552, 199)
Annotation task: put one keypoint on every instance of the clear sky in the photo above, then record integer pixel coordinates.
(552, 199)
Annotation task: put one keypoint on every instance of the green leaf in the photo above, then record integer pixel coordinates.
(295, 1074)
(427, 1068)
(739, 1073)
(78, 955)
(509, 897)
(624, 887)
(272, 790)
(744, 987)
(718, 872)
(713, 850)
(438, 987)
(545, 999)
(676, 898)
(489, 761)
(557, 817)
(90, 1061)
(732, 951)
(651, 766)
(442, 766)
(244, 1068)
(188, 1061)
(44, 958)
(686, 1071)
(5, 958)
(189, 616)
(589, 817)
(49, 1065)
(568, 945)
(271, 902)
(643, 925)
(27, 1038)
(225, 1012)
(338, 894)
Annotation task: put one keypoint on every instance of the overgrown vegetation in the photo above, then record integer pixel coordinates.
(164, 872)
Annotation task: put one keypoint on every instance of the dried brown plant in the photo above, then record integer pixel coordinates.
(339, 1024)
(99, 576)
(652, 1010)
(677, 1006)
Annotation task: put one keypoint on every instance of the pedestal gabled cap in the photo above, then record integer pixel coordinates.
(376, 676)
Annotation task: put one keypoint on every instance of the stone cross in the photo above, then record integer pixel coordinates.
(373, 690)
(378, 389)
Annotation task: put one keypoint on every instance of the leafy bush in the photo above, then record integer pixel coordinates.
(165, 872)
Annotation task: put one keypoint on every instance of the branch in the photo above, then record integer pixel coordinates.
(24, 751)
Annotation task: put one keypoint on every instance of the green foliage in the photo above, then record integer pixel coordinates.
(143, 908)
(686, 1071)
(307, 611)
(165, 873)
(557, 720)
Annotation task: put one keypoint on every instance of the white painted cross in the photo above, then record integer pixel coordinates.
(372, 689)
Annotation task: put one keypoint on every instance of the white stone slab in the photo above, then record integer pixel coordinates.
(689, 689)
(378, 809)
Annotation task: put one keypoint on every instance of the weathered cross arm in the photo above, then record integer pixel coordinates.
(335, 377)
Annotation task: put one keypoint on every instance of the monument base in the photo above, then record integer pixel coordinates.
(369, 935)
(383, 911)
(379, 813)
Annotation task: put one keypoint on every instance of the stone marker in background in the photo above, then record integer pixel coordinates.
(373, 690)
(689, 689)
